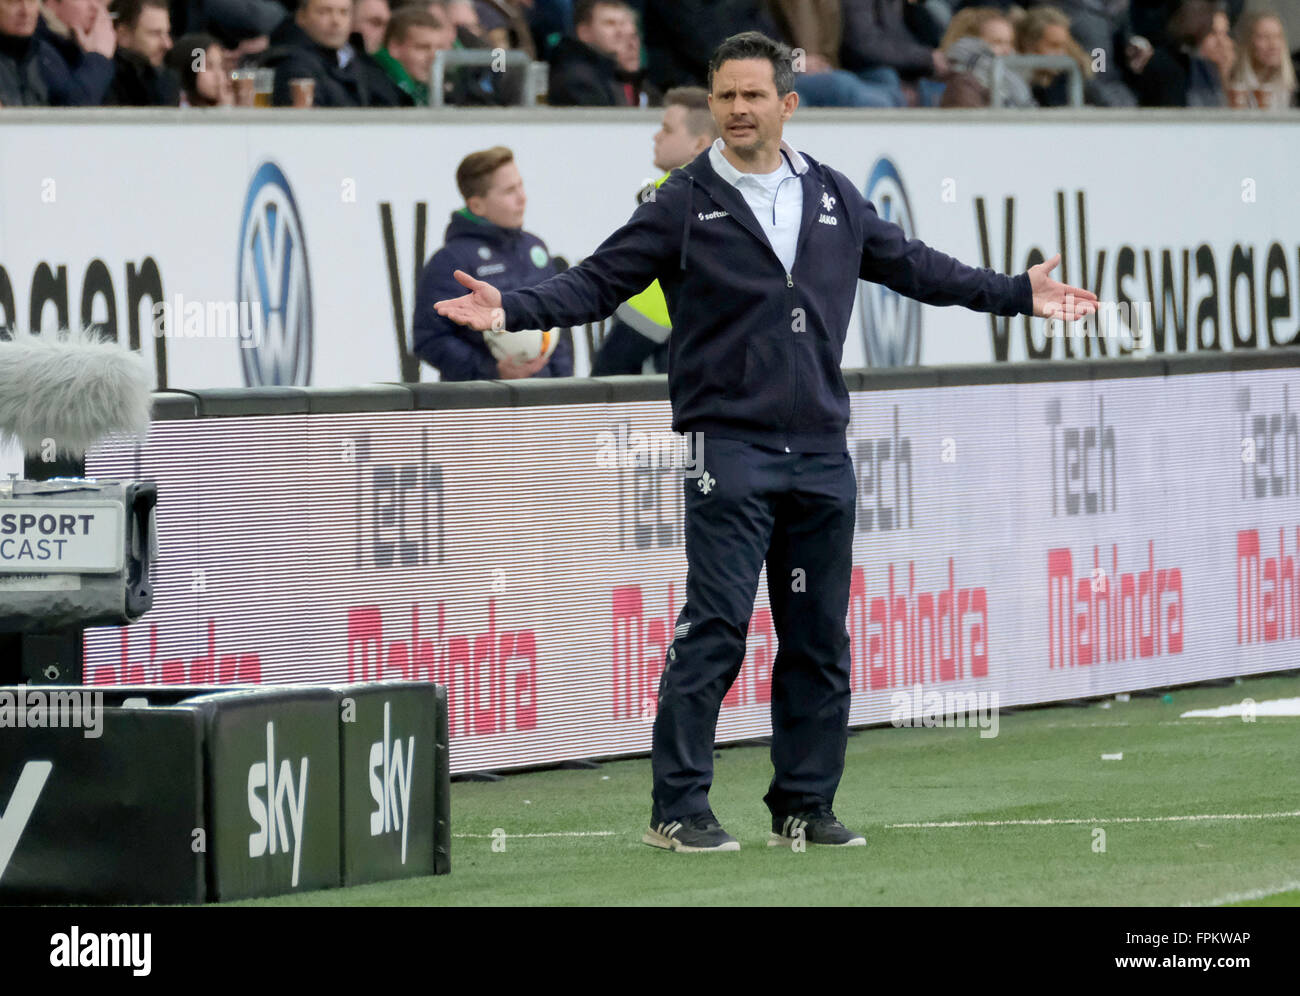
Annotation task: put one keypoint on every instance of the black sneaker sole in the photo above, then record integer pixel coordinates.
(656, 839)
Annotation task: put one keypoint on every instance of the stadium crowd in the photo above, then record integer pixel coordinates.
(619, 53)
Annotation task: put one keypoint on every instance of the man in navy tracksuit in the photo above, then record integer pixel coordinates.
(759, 251)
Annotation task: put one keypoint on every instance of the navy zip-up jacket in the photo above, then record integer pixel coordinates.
(506, 258)
(74, 78)
(755, 351)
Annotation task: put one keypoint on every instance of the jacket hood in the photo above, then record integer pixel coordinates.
(464, 224)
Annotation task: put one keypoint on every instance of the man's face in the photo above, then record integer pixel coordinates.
(744, 103)
(629, 44)
(604, 32)
(326, 21)
(75, 13)
(504, 202)
(152, 35)
(415, 51)
(19, 17)
(675, 144)
(370, 18)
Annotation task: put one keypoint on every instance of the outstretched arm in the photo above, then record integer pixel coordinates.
(913, 268)
(623, 265)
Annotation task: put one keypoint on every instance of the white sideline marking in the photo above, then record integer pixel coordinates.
(1271, 707)
(1096, 819)
(558, 833)
(1242, 897)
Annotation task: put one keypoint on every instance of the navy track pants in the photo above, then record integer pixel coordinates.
(796, 512)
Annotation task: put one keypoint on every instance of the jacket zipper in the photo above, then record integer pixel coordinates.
(794, 356)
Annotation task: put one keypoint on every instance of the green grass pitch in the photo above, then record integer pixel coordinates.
(1044, 765)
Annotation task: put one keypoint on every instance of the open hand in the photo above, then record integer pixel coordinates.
(479, 310)
(1053, 299)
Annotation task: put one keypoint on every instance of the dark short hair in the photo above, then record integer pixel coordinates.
(585, 10)
(126, 13)
(181, 58)
(474, 174)
(756, 45)
(406, 18)
(695, 101)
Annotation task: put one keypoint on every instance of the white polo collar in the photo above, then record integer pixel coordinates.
(728, 172)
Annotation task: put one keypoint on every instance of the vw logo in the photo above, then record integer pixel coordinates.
(274, 281)
(891, 323)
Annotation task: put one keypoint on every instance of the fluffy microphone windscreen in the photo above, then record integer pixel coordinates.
(71, 388)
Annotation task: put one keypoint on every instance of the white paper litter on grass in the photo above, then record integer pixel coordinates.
(1269, 707)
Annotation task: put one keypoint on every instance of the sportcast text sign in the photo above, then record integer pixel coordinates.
(63, 539)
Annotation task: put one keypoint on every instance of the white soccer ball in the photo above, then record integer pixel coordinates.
(521, 347)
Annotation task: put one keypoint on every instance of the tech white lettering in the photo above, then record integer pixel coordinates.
(715, 214)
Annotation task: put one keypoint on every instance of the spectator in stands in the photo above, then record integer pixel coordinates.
(641, 326)
(465, 16)
(975, 37)
(473, 86)
(140, 77)
(1220, 49)
(383, 92)
(414, 35)
(21, 82)
(370, 20)
(485, 237)
(1265, 62)
(1287, 13)
(812, 28)
(314, 44)
(77, 57)
(550, 20)
(1046, 31)
(1152, 18)
(584, 68)
(878, 46)
(1102, 29)
(631, 74)
(504, 23)
(199, 62)
(680, 37)
(1184, 70)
